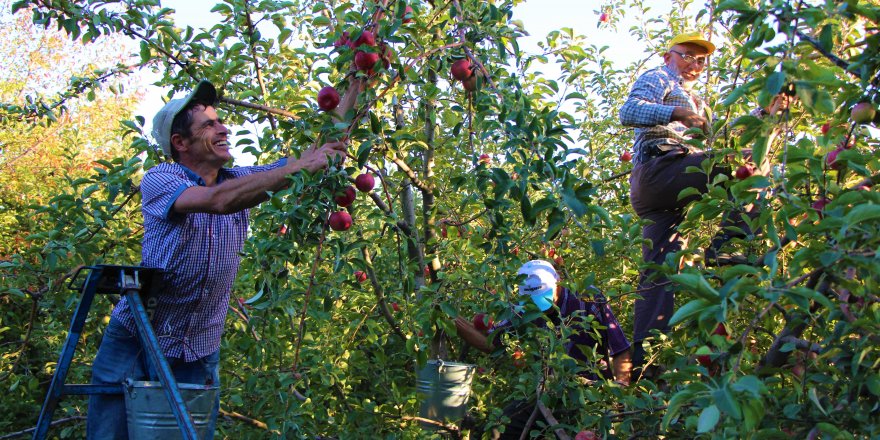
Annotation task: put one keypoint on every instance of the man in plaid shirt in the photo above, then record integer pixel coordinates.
(195, 223)
(662, 106)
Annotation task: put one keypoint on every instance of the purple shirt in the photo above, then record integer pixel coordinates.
(613, 340)
(200, 254)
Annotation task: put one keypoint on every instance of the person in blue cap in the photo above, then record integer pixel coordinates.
(540, 284)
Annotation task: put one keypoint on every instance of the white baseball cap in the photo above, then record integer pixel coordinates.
(204, 92)
(540, 275)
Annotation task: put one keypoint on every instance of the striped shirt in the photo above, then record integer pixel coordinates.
(574, 312)
(200, 254)
(649, 108)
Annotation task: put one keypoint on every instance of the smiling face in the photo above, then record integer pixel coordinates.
(209, 139)
(688, 60)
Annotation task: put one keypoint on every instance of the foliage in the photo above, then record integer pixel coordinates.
(311, 351)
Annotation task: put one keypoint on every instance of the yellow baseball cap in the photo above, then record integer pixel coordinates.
(693, 38)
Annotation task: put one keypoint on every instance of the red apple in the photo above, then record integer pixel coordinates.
(826, 127)
(518, 359)
(340, 221)
(626, 156)
(744, 172)
(831, 160)
(387, 55)
(427, 271)
(367, 38)
(586, 435)
(408, 14)
(862, 113)
(365, 60)
(559, 261)
(819, 205)
(461, 69)
(603, 18)
(482, 322)
(347, 197)
(720, 329)
(282, 230)
(470, 84)
(704, 360)
(485, 159)
(360, 276)
(342, 41)
(395, 307)
(328, 98)
(365, 182)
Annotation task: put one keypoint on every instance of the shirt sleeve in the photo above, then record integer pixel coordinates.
(644, 107)
(244, 171)
(617, 342)
(159, 190)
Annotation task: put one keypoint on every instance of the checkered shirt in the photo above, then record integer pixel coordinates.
(649, 108)
(200, 254)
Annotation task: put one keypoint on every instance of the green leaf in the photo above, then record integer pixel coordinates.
(759, 149)
(774, 84)
(708, 419)
(688, 310)
(320, 21)
(674, 406)
(573, 202)
(448, 309)
(814, 397)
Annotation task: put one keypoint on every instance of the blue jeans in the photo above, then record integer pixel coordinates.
(120, 357)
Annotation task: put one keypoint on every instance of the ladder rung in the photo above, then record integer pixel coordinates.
(92, 389)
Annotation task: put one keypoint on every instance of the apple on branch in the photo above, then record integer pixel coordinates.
(461, 69)
(328, 98)
(340, 221)
(863, 112)
(346, 197)
(365, 182)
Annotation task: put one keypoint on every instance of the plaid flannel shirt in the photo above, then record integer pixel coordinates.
(200, 254)
(649, 108)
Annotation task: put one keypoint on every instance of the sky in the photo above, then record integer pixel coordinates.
(539, 18)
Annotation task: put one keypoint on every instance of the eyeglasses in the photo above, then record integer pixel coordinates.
(700, 61)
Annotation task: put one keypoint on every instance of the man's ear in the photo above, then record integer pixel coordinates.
(666, 56)
(178, 142)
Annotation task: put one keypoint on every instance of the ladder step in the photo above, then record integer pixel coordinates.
(78, 389)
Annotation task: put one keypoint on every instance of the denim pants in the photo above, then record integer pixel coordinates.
(120, 357)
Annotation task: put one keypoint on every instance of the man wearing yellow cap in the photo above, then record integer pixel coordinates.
(662, 106)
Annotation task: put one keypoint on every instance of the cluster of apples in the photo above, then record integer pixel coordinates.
(341, 220)
(367, 54)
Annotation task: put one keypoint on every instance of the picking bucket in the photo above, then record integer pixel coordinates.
(150, 417)
(444, 388)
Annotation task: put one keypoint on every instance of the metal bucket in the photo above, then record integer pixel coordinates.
(149, 414)
(444, 388)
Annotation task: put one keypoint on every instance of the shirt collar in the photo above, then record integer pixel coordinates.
(671, 73)
(195, 178)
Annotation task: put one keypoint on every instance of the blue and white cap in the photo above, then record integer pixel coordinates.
(540, 282)
(540, 275)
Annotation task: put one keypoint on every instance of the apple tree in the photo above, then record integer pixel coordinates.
(480, 163)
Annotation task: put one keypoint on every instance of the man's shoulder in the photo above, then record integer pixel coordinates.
(656, 74)
(166, 167)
